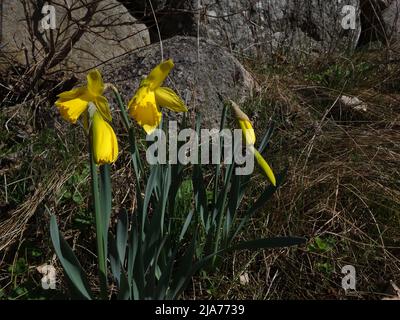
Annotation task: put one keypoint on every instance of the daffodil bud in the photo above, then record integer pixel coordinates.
(245, 124)
(250, 139)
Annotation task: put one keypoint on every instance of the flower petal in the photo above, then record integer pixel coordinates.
(104, 140)
(72, 94)
(95, 83)
(103, 107)
(248, 132)
(144, 110)
(265, 166)
(157, 76)
(166, 97)
(72, 104)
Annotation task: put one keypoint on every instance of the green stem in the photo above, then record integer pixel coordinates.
(222, 213)
(121, 106)
(102, 262)
(137, 164)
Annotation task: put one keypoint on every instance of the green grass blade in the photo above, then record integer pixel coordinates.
(276, 242)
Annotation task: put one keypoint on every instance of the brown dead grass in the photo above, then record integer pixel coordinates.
(343, 187)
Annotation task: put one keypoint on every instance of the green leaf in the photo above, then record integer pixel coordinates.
(177, 183)
(260, 202)
(218, 166)
(151, 186)
(132, 248)
(200, 195)
(99, 218)
(105, 198)
(115, 262)
(137, 164)
(186, 225)
(163, 283)
(151, 284)
(77, 198)
(122, 235)
(124, 289)
(135, 291)
(267, 137)
(184, 270)
(268, 192)
(138, 271)
(70, 263)
(19, 267)
(233, 203)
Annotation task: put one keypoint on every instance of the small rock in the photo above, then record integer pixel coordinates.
(391, 20)
(244, 279)
(353, 103)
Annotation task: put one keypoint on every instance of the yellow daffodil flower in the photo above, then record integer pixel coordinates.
(250, 140)
(104, 140)
(74, 102)
(89, 102)
(144, 107)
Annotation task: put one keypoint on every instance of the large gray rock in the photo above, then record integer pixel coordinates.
(264, 27)
(111, 32)
(204, 74)
(391, 20)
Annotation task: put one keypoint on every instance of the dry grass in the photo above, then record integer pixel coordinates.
(342, 191)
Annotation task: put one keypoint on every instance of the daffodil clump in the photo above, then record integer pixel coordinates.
(250, 140)
(136, 261)
(75, 103)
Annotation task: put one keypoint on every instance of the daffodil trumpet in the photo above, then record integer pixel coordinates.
(250, 139)
(104, 141)
(145, 105)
